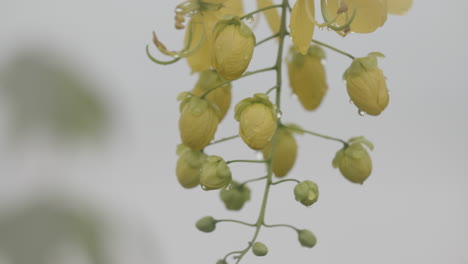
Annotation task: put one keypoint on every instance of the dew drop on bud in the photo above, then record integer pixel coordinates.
(361, 113)
(351, 101)
(249, 19)
(294, 96)
(323, 61)
(259, 155)
(279, 114)
(176, 56)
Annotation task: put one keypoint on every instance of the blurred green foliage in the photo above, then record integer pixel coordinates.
(46, 95)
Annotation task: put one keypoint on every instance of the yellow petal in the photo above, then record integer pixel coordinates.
(272, 15)
(200, 60)
(371, 14)
(399, 7)
(301, 26)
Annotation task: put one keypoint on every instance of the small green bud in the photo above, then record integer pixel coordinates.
(259, 249)
(221, 261)
(206, 224)
(307, 238)
(235, 197)
(306, 193)
(215, 174)
(354, 161)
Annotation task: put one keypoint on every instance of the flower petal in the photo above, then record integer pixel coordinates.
(399, 7)
(302, 28)
(272, 15)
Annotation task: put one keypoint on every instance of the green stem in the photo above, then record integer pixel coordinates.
(226, 82)
(267, 39)
(235, 221)
(287, 180)
(153, 59)
(283, 225)
(259, 10)
(247, 161)
(223, 139)
(278, 69)
(323, 136)
(333, 48)
(254, 180)
(271, 89)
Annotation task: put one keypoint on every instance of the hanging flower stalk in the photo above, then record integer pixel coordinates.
(219, 45)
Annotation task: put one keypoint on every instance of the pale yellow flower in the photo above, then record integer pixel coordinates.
(398, 7)
(354, 163)
(220, 96)
(367, 85)
(257, 121)
(233, 46)
(285, 152)
(272, 15)
(370, 14)
(301, 25)
(188, 166)
(307, 76)
(198, 121)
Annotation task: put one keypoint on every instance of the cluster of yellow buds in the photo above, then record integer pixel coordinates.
(219, 46)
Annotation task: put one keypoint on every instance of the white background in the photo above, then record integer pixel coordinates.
(413, 208)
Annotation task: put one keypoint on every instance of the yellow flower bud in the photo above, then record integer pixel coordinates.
(188, 166)
(235, 197)
(259, 249)
(370, 14)
(306, 192)
(366, 85)
(285, 152)
(215, 174)
(206, 224)
(354, 162)
(307, 238)
(307, 76)
(257, 120)
(220, 96)
(198, 121)
(201, 25)
(301, 25)
(233, 45)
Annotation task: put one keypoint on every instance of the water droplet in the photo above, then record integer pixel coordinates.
(259, 155)
(203, 187)
(351, 101)
(279, 114)
(229, 187)
(176, 56)
(249, 19)
(290, 38)
(294, 96)
(361, 113)
(323, 61)
(329, 29)
(344, 81)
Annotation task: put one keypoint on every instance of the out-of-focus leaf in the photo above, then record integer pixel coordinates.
(46, 95)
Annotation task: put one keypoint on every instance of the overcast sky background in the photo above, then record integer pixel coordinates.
(412, 209)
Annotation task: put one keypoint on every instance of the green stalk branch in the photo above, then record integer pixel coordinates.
(254, 180)
(266, 39)
(287, 180)
(235, 221)
(322, 136)
(223, 139)
(227, 82)
(283, 225)
(259, 10)
(333, 48)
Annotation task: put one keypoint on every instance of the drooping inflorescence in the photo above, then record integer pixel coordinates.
(219, 46)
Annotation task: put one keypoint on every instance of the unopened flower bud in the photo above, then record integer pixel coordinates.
(307, 76)
(188, 166)
(259, 249)
(366, 84)
(221, 261)
(306, 193)
(206, 224)
(233, 45)
(235, 197)
(354, 162)
(198, 121)
(221, 96)
(257, 120)
(285, 152)
(215, 173)
(307, 238)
